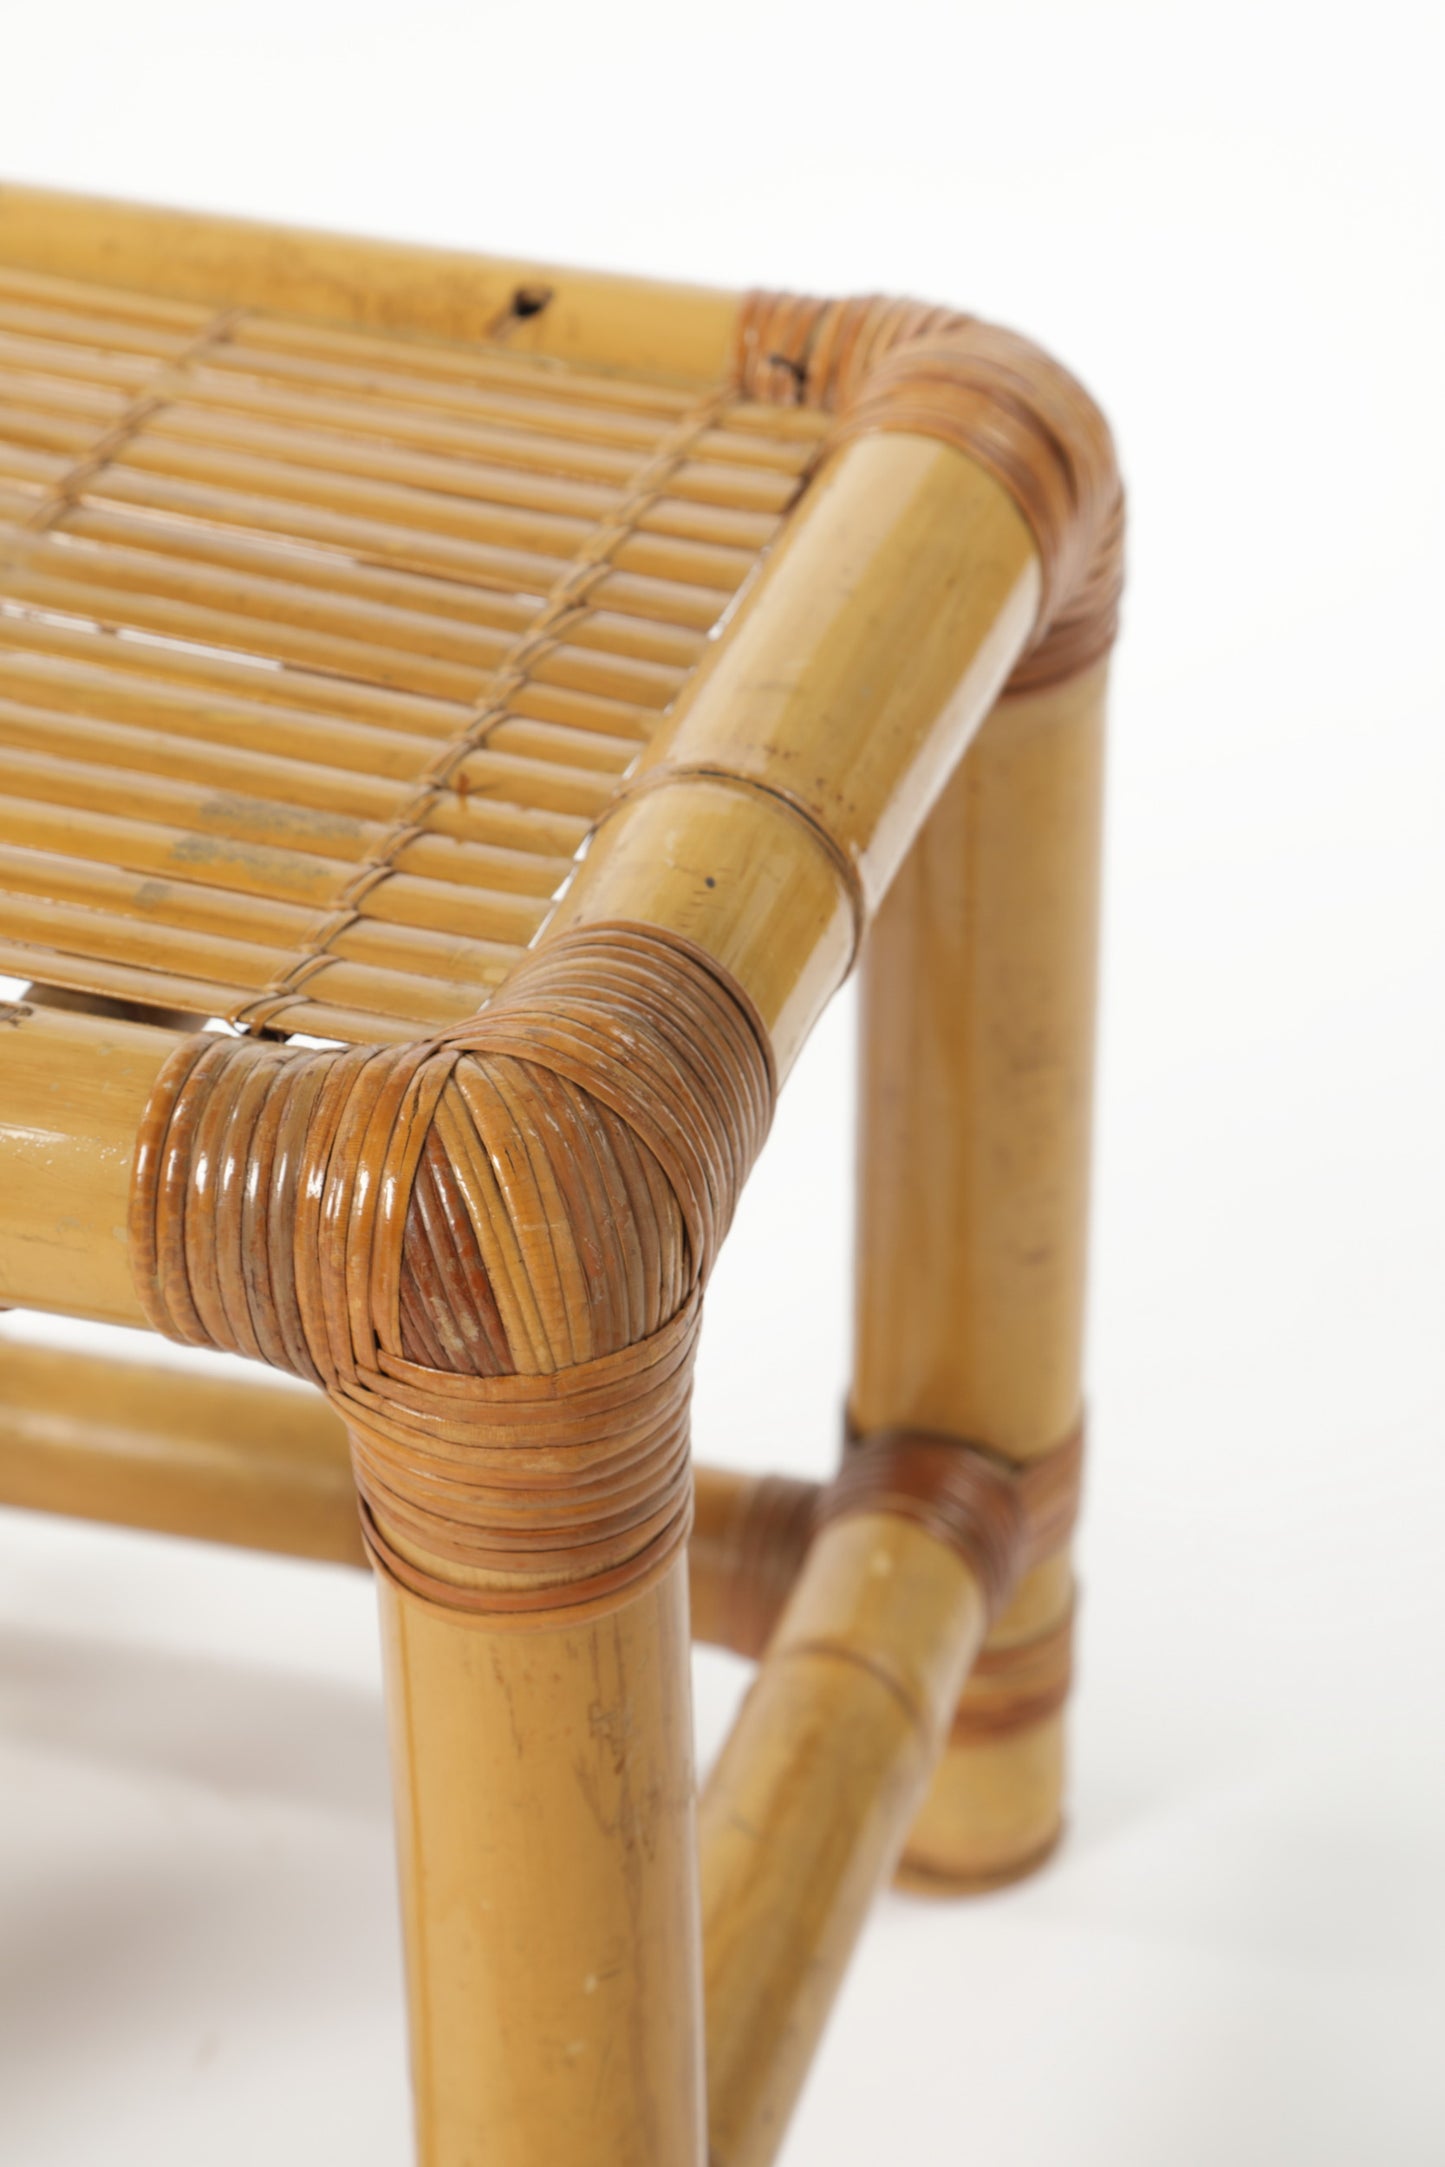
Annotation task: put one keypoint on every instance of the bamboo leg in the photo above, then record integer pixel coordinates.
(545, 1823)
(977, 1058)
(804, 1816)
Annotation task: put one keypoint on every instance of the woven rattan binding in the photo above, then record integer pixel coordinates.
(488, 1248)
(999, 399)
(1003, 1518)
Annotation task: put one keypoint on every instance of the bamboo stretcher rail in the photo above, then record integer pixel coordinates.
(262, 1466)
(803, 1817)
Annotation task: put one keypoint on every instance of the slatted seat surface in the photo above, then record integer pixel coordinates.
(322, 649)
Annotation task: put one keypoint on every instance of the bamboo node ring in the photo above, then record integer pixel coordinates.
(881, 364)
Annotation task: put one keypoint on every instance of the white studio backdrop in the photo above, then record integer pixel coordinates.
(1233, 227)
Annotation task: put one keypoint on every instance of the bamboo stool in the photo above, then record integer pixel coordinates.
(458, 723)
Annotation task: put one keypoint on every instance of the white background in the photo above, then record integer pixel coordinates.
(1230, 222)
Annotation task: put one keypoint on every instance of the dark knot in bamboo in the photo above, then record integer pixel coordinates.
(488, 1248)
(882, 364)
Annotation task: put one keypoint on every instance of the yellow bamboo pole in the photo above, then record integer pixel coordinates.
(770, 815)
(74, 1089)
(546, 1832)
(135, 1444)
(807, 1809)
(589, 317)
(977, 1063)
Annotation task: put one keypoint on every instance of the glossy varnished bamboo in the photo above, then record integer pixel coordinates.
(73, 1092)
(772, 811)
(262, 1466)
(547, 1839)
(805, 1814)
(583, 316)
(973, 1179)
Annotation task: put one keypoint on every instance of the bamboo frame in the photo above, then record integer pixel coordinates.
(384, 422)
(591, 317)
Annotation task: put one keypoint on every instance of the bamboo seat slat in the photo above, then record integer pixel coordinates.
(108, 333)
(99, 884)
(254, 682)
(313, 606)
(19, 388)
(220, 764)
(546, 534)
(81, 365)
(587, 693)
(327, 430)
(34, 469)
(49, 289)
(329, 446)
(770, 438)
(164, 989)
(198, 663)
(38, 427)
(482, 612)
(486, 566)
(263, 877)
(323, 646)
(355, 979)
(66, 584)
(447, 359)
(58, 682)
(203, 815)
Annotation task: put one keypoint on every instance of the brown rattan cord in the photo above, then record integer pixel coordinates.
(963, 1497)
(1004, 1518)
(488, 1248)
(65, 492)
(767, 1541)
(884, 364)
(1015, 1686)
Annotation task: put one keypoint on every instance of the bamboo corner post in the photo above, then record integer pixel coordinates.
(643, 649)
(977, 1030)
